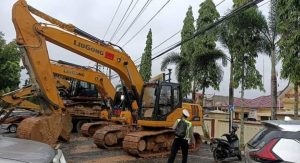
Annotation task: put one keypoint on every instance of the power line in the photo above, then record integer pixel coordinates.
(160, 51)
(263, 4)
(112, 19)
(127, 16)
(213, 25)
(160, 44)
(220, 3)
(114, 34)
(155, 53)
(177, 33)
(138, 15)
(147, 23)
(166, 40)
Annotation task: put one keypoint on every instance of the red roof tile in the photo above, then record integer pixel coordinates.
(259, 102)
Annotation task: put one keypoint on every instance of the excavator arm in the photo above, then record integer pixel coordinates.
(75, 40)
(18, 97)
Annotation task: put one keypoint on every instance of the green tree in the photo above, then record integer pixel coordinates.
(288, 19)
(9, 65)
(241, 35)
(183, 60)
(270, 35)
(146, 62)
(205, 70)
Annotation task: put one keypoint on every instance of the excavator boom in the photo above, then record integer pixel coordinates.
(100, 80)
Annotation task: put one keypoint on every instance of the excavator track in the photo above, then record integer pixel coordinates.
(111, 136)
(89, 129)
(148, 144)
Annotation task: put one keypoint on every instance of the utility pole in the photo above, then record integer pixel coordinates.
(231, 95)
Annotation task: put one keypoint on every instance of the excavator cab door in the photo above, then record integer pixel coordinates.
(159, 100)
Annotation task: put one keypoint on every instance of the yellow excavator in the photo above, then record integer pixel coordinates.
(92, 109)
(153, 109)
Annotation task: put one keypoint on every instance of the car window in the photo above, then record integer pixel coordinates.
(256, 140)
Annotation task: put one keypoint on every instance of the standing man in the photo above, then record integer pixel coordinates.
(183, 137)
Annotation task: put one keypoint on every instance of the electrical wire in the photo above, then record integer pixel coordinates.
(160, 44)
(114, 34)
(166, 40)
(174, 34)
(213, 25)
(135, 19)
(128, 15)
(112, 19)
(147, 23)
(178, 33)
(264, 4)
(220, 3)
(160, 51)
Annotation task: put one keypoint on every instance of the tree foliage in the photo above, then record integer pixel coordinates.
(269, 46)
(242, 36)
(289, 28)
(9, 65)
(206, 71)
(288, 19)
(187, 50)
(182, 60)
(146, 62)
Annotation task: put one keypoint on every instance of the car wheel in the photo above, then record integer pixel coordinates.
(12, 128)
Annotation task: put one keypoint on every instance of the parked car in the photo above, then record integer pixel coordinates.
(278, 141)
(12, 121)
(13, 150)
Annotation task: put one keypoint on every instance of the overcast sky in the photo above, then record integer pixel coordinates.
(94, 16)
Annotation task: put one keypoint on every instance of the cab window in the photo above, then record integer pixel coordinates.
(165, 100)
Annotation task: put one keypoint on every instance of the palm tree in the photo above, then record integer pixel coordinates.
(270, 34)
(203, 70)
(182, 70)
(242, 36)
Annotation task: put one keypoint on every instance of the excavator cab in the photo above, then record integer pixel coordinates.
(158, 100)
(83, 89)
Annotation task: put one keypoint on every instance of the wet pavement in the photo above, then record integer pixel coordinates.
(82, 150)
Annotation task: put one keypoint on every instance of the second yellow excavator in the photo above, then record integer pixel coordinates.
(92, 109)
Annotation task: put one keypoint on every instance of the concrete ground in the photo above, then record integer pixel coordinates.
(82, 150)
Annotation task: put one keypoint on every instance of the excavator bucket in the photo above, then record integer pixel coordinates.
(46, 129)
(67, 126)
